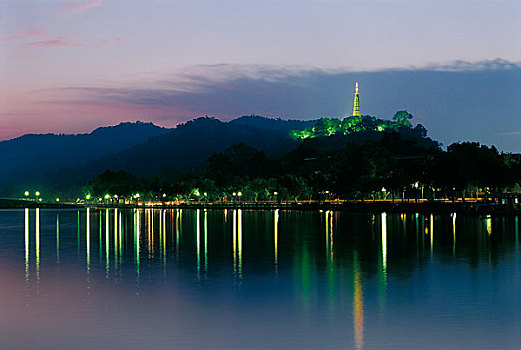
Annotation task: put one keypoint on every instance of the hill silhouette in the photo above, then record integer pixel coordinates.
(58, 162)
(25, 160)
(183, 149)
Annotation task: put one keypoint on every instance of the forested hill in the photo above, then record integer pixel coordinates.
(46, 152)
(172, 152)
(58, 162)
(189, 145)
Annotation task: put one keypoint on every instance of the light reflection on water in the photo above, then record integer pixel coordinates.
(166, 278)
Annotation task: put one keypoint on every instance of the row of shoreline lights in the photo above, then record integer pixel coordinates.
(37, 194)
(135, 196)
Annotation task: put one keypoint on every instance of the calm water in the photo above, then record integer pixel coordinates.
(172, 279)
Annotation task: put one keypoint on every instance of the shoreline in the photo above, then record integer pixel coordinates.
(441, 207)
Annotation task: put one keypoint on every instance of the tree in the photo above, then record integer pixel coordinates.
(121, 183)
(326, 127)
(402, 118)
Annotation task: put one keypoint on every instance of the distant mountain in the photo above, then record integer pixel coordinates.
(27, 158)
(184, 148)
(276, 124)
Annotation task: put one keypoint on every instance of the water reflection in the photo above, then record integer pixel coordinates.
(276, 238)
(26, 245)
(57, 238)
(453, 233)
(431, 232)
(137, 242)
(198, 246)
(489, 224)
(384, 244)
(87, 238)
(517, 232)
(107, 231)
(114, 234)
(238, 223)
(116, 239)
(37, 229)
(358, 304)
(205, 240)
(323, 263)
(178, 216)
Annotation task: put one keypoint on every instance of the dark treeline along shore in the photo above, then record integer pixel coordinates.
(255, 161)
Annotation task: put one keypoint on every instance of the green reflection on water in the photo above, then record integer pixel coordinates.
(26, 244)
(87, 238)
(37, 229)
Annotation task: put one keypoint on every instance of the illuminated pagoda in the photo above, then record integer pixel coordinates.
(356, 105)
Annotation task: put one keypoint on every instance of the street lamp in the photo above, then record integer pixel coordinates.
(26, 193)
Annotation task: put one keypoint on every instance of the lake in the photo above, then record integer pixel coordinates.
(253, 279)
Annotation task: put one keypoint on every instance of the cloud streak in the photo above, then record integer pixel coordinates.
(25, 34)
(50, 43)
(70, 8)
(116, 40)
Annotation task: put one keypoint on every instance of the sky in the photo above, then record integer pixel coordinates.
(71, 66)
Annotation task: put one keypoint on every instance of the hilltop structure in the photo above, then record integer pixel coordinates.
(356, 105)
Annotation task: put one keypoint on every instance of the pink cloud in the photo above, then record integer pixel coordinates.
(26, 33)
(58, 42)
(75, 7)
(113, 41)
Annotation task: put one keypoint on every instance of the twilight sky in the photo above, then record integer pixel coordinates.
(69, 67)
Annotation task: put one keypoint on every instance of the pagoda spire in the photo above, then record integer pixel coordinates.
(356, 105)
